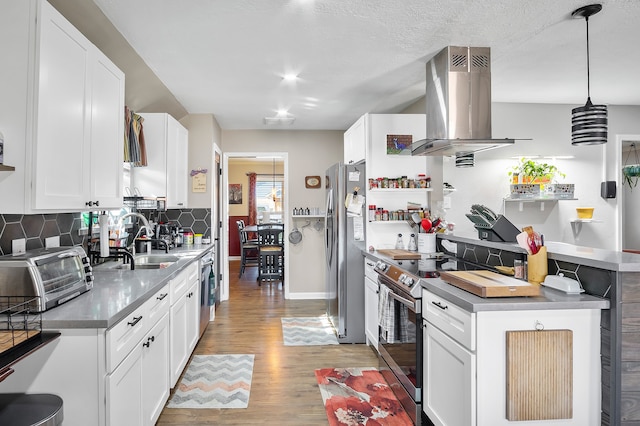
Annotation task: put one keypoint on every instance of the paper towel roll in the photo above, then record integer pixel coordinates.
(103, 221)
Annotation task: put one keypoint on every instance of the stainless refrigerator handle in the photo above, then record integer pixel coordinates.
(328, 247)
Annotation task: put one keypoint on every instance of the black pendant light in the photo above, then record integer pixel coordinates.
(588, 123)
(464, 159)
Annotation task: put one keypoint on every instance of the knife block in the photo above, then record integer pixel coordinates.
(537, 268)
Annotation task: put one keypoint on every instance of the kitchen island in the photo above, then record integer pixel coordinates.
(123, 344)
(465, 350)
(611, 275)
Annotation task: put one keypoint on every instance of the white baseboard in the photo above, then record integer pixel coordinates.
(307, 296)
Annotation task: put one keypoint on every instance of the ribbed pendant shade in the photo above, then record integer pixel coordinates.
(464, 159)
(588, 123)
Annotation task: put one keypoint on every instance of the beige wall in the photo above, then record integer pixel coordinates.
(204, 132)
(309, 153)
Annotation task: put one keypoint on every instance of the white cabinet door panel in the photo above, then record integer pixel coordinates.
(449, 395)
(107, 130)
(62, 154)
(155, 371)
(124, 390)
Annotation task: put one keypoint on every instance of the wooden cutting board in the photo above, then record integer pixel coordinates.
(489, 284)
(539, 374)
(397, 254)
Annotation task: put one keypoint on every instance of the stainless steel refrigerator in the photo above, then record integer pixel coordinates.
(344, 237)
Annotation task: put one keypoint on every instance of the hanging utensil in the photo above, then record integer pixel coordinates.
(295, 236)
(426, 225)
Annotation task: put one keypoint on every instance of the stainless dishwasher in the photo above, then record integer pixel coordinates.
(209, 293)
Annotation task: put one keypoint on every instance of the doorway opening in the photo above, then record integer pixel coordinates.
(270, 204)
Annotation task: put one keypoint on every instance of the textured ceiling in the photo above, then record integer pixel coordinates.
(227, 58)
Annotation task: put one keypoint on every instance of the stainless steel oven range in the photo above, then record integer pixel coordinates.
(400, 335)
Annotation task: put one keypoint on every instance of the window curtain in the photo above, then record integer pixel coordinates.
(253, 216)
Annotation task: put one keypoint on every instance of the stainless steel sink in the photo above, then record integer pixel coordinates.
(154, 259)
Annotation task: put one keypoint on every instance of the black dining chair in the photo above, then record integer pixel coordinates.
(270, 253)
(249, 250)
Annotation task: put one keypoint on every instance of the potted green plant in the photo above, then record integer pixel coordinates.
(630, 175)
(631, 172)
(530, 171)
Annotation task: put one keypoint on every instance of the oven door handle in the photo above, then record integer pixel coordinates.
(402, 300)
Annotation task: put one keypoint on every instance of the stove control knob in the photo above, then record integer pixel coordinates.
(409, 281)
(402, 277)
(381, 265)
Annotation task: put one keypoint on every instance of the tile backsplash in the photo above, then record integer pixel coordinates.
(36, 228)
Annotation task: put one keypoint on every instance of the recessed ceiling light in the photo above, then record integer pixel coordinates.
(282, 113)
(290, 77)
(279, 120)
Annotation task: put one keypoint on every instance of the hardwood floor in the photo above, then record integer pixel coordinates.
(284, 390)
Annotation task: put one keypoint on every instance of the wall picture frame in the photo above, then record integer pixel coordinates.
(312, 182)
(235, 193)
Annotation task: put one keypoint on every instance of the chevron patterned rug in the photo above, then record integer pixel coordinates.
(215, 381)
(308, 331)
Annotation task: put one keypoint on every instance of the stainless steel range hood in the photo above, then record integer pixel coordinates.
(458, 100)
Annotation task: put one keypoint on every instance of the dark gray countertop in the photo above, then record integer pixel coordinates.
(548, 299)
(597, 258)
(117, 292)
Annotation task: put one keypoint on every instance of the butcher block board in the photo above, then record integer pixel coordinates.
(397, 254)
(489, 284)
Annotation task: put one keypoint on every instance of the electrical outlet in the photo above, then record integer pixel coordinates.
(51, 242)
(18, 246)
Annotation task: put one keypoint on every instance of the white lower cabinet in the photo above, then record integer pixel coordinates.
(124, 391)
(155, 371)
(193, 316)
(371, 303)
(465, 362)
(184, 319)
(121, 375)
(138, 387)
(449, 380)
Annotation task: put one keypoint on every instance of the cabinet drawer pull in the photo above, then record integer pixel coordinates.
(162, 296)
(135, 321)
(149, 341)
(6, 373)
(440, 305)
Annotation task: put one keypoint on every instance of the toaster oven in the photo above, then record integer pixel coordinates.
(52, 276)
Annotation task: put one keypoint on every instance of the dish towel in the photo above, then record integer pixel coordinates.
(386, 314)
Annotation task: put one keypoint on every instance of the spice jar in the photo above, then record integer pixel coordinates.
(385, 215)
(372, 212)
(188, 238)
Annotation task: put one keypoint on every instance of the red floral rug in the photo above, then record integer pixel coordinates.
(359, 396)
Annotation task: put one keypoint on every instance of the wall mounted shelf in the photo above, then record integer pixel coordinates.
(5, 168)
(576, 225)
(307, 216)
(540, 200)
(401, 190)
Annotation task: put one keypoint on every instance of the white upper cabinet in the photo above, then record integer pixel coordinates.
(166, 173)
(355, 142)
(69, 155)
